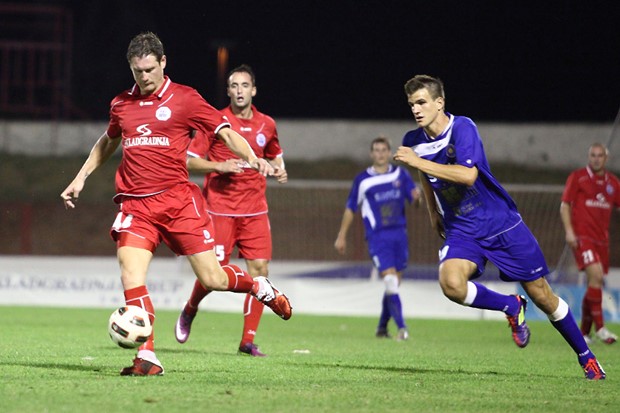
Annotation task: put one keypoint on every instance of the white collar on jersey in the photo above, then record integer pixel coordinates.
(447, 128)
(372, 171)
(593, 175)
(435, 145)
(135, 90)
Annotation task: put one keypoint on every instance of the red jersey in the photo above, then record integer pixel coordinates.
(155, 131)
(241, 194)
(592, 199)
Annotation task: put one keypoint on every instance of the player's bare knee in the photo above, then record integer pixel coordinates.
(213, 280)
(453, 289)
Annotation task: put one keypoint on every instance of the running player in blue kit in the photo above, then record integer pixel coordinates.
(381, 192)
(479, 221)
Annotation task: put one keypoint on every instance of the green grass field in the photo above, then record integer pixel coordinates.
(61, 360)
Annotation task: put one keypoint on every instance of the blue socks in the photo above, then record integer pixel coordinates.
(479, 296)
(563, 321)
(396, 309)
(385, 314)
(391, 308)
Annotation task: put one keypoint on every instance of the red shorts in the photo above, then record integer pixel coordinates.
(177, 216)
(251, 235)
(590, 252)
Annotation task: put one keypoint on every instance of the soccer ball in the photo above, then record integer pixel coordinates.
(129, 326)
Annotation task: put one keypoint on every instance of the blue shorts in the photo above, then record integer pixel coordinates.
(515, 252)
(389, 248)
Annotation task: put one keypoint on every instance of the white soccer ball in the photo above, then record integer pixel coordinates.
(129, 326)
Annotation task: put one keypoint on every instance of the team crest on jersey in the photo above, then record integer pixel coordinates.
(610, 189)
(163, 113)
(451, 153)
(261, 140)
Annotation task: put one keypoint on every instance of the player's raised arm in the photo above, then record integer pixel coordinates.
(453, 173)
(205, 166)
(99, 154)
(241, 148)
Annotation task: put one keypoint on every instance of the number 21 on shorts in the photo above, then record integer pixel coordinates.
(588, 257)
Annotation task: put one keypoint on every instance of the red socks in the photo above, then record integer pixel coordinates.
(198, 293)
(586, 318)
(139, 297)
(595, 302)
(252, 312)
(592, 308)
(239, 281)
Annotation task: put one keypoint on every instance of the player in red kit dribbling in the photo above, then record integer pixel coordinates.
(589, 197)
(153, 121)
(236, 199)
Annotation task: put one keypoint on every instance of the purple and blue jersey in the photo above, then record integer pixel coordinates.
(480, 211)
(381, 198)
(481, 221)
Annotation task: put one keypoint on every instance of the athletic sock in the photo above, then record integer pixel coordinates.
(199, 292)
(586, 317)
(148, 355)
(396, 310)
(140, 297)
(384, 318)
(252, 312)
(563, 321)
(239, 281)
(594, 296)
(479, 296)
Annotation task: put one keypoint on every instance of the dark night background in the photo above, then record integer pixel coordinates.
(510, 61)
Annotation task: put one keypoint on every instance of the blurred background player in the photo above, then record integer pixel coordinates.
(382, 190)
(236, 199)
(479, 221)
(153, 120)
(589, 197)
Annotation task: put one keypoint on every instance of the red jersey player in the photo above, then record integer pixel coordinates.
(236, 199)
(153, 121)
(589, 197)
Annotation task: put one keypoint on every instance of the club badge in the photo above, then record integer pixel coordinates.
(261, 140)
(451, 154)
(163, 113)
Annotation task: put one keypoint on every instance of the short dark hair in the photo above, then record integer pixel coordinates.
(380, 139)
(434, 86)
(243, 69)
(144, 44)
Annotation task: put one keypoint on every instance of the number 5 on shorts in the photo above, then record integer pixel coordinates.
(219, 252)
